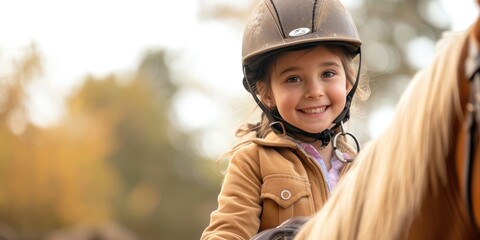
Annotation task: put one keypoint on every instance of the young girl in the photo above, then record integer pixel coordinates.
(298, 66)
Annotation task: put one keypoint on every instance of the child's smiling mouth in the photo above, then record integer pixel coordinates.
(315, 110)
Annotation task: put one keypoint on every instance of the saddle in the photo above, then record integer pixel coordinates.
(285, 231)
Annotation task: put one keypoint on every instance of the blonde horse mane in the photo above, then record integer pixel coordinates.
(378, 198)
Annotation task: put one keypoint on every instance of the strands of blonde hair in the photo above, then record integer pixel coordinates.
(394, 170)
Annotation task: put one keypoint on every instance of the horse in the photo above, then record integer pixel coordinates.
(420, 178)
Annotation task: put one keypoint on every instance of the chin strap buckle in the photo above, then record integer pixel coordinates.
(336, 151)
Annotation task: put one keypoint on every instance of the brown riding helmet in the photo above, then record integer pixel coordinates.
(277, 25)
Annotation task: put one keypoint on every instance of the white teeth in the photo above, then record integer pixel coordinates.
(314, 110)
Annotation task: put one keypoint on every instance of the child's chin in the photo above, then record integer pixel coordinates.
(314, 130)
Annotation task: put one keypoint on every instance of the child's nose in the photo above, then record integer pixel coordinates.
(314, 89)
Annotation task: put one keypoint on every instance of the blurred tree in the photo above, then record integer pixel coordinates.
(115, 156)
(50, 177)
(165, 195)
(396, 35)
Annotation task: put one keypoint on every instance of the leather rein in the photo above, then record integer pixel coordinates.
(473, 124)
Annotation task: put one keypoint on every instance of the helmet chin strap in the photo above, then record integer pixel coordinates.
(281, 127)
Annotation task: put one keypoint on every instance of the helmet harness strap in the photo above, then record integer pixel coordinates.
(281, 127)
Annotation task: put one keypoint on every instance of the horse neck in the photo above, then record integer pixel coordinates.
(443, 213)
(404, 168)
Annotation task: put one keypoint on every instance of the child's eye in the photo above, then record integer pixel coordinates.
(293, 79)
(328, 74)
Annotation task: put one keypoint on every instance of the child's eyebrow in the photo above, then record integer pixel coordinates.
(322, 64)
(290, 69)
(329, 63)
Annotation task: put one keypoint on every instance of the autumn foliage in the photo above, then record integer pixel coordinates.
(110, 159)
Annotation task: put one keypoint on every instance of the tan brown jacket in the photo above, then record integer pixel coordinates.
(267, 182)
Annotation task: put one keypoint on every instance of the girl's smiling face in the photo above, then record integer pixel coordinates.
(308, 88)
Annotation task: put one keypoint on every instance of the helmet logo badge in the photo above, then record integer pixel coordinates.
(299, 32)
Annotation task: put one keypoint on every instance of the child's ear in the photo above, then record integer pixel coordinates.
(265, 95)
(269, 102)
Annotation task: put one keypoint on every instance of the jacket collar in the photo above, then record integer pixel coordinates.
(274, 140)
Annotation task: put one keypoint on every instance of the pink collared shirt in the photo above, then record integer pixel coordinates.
(331, 174)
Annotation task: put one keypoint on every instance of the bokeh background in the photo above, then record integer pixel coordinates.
(113, 113)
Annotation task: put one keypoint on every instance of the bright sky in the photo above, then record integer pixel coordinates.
(106, 36)
(76, 38)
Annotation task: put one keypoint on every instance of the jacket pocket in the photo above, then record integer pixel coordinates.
(284, 197)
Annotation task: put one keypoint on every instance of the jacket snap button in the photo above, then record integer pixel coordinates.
(285, 194)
